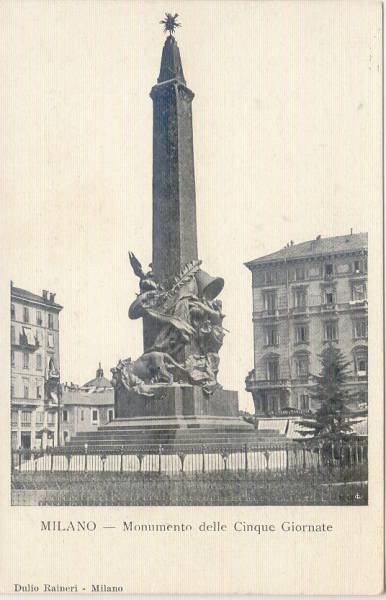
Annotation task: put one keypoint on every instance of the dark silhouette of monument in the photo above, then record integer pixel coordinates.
(171, 392)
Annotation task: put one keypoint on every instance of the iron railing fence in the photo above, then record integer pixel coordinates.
(297, 456)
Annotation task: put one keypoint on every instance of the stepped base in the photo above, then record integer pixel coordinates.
(176, 415)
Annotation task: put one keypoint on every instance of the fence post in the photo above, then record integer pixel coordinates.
(121, 463)
(350, 455)
(304, 457)
(181, 456)
(267, 455)
(203, 459)
(159, 458)
(20, 459)
(140, 459)
(286, 458)
(85, 457)
(52, 462)
(246, 457)
(319, 457)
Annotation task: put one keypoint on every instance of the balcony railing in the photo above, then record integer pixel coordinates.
(254, 384)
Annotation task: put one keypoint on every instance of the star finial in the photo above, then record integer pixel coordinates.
(170, 23)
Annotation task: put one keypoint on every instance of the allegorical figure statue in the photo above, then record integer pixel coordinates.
(188, 321)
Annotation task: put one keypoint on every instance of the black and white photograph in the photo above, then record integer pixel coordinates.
(189, 284)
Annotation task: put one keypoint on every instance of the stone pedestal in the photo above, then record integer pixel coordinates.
(182, 403)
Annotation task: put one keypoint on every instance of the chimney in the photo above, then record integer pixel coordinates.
(351, 231)
(52, 298)
(318, 237)
(292, 242)
(44, 294)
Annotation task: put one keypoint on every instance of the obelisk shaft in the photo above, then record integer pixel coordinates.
(174, 196)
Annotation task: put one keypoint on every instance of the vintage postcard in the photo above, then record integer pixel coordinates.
(192, 297)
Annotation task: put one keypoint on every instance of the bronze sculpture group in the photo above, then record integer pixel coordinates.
(187, 320)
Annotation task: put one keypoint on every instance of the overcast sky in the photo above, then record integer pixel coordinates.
(286, 121)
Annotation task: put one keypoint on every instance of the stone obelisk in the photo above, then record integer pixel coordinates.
(171, 391)
(174, 195)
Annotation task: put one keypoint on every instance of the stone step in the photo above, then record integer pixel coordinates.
(180, 435)
(199, 431)
(218, 441)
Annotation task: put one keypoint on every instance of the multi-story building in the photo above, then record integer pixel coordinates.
(86, 407)
(35, 368)
(306, 296)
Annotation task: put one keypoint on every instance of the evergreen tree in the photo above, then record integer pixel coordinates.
(332, 419)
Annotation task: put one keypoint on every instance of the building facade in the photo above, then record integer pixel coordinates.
(35, 369)
(86, 407)
(305, 296)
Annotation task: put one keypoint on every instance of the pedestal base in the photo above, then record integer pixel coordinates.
(182, 400)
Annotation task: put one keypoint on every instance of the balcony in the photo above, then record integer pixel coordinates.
(252, 384)
(329, 308)
(274, 313)
(354, 304)
(300, 310)
(25, 340)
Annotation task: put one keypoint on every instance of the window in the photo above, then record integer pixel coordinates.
(272, 336)
(39, 320)
(38, 392)
(39, 363)
(26, 417)
(95, 416)
(362, 397)
(82, 415)
(65, 416)
(25, 314)
(13, 335)
(26, 391)
(331, 331)
(50, 340)
(301, 366)
(65, 435)
(12, 358)
(14, 440)
(304, 402)
(14, 418)
(360, 328)
(39, 417)
(357, 266)
(359, 291)
(51, 418)
(50, 321)
(25, 360)
(329, 269)
(362, 367)
(270, 301)
(12, 390)
(300, 297)
(270, 277)
(301, 334)
(299, 273)
(273, 369)
(13, 312)
(329, 298)
(111, 414)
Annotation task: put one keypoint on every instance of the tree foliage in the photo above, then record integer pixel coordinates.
(330, 392)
